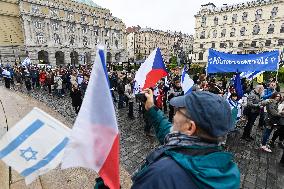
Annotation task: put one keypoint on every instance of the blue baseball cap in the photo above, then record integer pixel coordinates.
(210, 112)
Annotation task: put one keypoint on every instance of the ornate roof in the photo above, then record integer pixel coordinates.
(88, 2)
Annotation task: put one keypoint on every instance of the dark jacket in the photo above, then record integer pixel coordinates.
(76, 97)
(253, 102)
(179, 170)
(272, 113)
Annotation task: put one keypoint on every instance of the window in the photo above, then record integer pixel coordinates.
(280, 42)
(84, 29)
(71, 28)
(256, 30)
(216, 21)
(95, 21)
(225, 17)
(282, 28)
(223, 33)
(85, 40)
(202, 35)
(222, 45)
(274, 12)
(258, 14)
(38, 24)
(72, 39)
(39, 38)
(96, 32)
(54, 12)
(70, 16)
(35, 9)
(267, 43)
(241, 44)
(203, 21)
(253, 44)
(233, 32)
(213, 45)
(231, 44)
(214, 33)
(270, 29)
(83, 18)
(243, 31)
(200, 56)
(245, 17)
(234, 18)
(201, 46)
(55, 26)
(56, 38)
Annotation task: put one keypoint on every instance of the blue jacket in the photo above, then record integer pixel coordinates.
(200, 169)
(268, 93)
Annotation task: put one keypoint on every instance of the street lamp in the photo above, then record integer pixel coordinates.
(13, 48)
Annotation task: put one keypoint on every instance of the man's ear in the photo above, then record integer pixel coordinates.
(190, 128)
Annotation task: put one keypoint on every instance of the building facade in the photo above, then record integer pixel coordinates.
(68, 31)
(142, 41)
(250, 27)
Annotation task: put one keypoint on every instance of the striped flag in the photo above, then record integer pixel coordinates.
(251, 75)
(35, 145)
(94, 142)
(26, 62)
(150, 72)
(186, 82)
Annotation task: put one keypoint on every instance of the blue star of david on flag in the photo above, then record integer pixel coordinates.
(29, 154)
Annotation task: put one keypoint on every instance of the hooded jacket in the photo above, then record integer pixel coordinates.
(192, 167)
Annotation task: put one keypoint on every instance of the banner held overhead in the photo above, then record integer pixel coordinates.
(219, 62)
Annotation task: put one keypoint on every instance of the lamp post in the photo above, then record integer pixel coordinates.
(13, 48)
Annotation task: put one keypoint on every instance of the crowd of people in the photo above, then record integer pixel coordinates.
(263, 101)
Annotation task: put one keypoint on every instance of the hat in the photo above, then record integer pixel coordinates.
(209, 111)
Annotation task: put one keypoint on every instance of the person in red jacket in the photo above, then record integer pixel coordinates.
(42, 78)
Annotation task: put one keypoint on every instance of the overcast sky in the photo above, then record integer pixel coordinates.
(176, 15)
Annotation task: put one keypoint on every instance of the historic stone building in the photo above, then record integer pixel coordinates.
(61, 31)
(142, 41)
(250, 27)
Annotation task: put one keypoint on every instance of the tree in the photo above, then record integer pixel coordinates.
(139, 56)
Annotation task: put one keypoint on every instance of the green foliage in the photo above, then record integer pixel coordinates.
(196, 68)
(139, 56)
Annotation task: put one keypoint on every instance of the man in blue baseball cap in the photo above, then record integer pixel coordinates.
(190, 155)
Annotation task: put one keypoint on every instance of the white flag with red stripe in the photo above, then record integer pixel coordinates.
(94, 141)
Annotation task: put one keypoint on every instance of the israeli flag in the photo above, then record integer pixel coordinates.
(186, 82)
(35, 145)
(251, 75)
(26, 62)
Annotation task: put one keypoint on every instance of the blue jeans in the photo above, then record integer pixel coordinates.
(266, 136)
(120, 101)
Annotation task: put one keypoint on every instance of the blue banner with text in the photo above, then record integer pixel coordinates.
(219, 62)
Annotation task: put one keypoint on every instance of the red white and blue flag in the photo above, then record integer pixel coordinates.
(150, 72)
(94, 141)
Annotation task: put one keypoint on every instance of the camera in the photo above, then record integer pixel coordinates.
(141, 97)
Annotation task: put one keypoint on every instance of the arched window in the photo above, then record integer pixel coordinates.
(223, 33)
(233, 32)
(243, 31)
(241, 44)
(72, 39)
(274, 12)
(200, 56)
(214, 33)
(38, 24)
(203, 21)
(256, 30)
(245, 17)
(55, 26)
(84, 29)
(85, 40)
(56, 38)
(258, 14)
(216, 21)
(270, 29)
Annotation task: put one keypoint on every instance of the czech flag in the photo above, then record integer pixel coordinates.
(94, 141)
(150, 72)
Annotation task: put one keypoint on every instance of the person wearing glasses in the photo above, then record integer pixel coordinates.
(190, 155)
